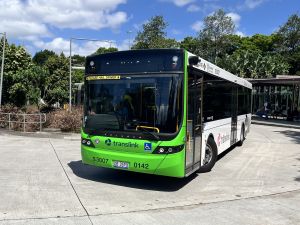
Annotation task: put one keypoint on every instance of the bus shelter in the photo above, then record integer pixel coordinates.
(277, 97)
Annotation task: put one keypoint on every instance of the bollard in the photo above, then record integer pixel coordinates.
(8, 121)
(24, 123)
(40, 122)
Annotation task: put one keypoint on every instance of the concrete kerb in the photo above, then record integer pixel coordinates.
(56, 135)
(274, 124)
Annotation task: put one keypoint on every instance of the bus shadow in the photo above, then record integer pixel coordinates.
(223, 154)
(129, 179)
(292, 134)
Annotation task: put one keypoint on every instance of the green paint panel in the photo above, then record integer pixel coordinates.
(165, 164)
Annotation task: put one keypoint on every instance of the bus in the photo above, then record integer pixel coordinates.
(161, 111)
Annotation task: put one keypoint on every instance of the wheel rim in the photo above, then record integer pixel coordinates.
(208, 154)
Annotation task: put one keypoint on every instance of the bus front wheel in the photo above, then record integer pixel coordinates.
(211, 155)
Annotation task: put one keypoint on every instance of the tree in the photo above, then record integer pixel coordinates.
(288, 42)
(154, 35)
(103, 50)
(57, 83)
(190, 44)
(78, 60)
(41, 57)
(28, 86)
(16, 59)
(213, 38)
(289, 34)
(264, 43)
(252, 64)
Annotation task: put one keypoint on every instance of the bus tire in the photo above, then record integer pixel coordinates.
(242, 136)
(211, 155)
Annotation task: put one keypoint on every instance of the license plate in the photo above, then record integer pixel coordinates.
(122, 165)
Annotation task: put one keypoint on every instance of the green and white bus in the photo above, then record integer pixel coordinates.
(161, 111)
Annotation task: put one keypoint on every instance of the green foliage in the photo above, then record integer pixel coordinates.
(154, 35)
(57, 83)
(213, 38)
(78, 60)
(17, 94)
(252, 64)
(28, 85)
(288, 42)
(41, 57)
(16, 59)
(289, 34)
(190, 44)
(103, 50)
(263, 43)
(77, 76)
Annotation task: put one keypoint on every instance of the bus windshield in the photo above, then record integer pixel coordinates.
(135, 103)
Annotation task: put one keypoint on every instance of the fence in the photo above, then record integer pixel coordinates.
(23, 119)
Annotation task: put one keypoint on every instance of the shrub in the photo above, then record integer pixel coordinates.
(61, 119)
(65, 120)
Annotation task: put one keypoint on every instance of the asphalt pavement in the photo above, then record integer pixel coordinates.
(42, 181)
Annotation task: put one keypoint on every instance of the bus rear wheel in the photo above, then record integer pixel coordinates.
(210, 157)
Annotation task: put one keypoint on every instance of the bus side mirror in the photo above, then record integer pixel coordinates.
(194, 60)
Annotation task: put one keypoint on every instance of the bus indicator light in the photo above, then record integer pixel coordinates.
(161, 150)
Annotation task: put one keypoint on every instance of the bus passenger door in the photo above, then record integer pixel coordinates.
(194, 122)
(234, 108)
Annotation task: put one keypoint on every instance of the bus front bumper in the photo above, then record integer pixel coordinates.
(167, 165)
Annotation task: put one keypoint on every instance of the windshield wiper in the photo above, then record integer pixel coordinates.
(107, 131)
(148, 132)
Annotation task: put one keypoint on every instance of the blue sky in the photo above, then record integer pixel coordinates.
(40, 24)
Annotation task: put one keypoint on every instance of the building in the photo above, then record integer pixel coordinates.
(280, 96)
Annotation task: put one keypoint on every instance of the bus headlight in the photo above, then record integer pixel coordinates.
(87, 142)
(168, 149)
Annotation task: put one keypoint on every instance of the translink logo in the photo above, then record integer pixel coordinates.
(108, 142)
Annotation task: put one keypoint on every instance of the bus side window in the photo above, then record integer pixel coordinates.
(217, 98)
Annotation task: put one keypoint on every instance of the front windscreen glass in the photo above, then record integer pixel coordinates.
(135, 103)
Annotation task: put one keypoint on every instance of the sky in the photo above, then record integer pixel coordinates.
(49, 24)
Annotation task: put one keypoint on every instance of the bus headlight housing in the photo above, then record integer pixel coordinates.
(87, 142)
(168, 149)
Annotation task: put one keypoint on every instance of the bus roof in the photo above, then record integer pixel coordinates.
(214, 70)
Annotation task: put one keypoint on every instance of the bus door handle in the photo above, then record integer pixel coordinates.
(197, 127)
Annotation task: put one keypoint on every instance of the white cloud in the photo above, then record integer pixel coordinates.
(124, 45)
(197, 26)
(240, 33)
(23, 29)
(17, 23)
(57, 45)
(193, 8)
(179, 3)
(236, 18)
(34, 17)
(251, 4)
(79, 47)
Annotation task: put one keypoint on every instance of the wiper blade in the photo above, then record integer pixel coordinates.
(106, 131)
(148, 132)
